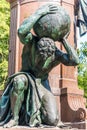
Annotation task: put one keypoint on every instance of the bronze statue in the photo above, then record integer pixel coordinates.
(28, 99)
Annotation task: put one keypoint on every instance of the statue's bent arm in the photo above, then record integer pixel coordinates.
(25, 28)
(70, 58)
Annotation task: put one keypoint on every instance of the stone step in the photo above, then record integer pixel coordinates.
(28, 128)
(75, 126)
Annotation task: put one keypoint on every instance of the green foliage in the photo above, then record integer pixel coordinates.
(4, 36)
(82, 69)
(85, 82)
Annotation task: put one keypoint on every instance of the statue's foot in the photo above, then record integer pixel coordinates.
(62, 125)
(11, 123)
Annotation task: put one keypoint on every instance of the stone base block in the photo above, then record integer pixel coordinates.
(79, 125)
(27, 128)
(73, 105)
(74, 126)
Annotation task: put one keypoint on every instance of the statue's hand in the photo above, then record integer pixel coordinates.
(66, 36)
(47, 9)
(64, 39)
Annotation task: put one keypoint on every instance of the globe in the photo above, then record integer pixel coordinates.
(54, 26)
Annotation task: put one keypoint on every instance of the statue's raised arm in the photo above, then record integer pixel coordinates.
(24, 29)
(68, 58)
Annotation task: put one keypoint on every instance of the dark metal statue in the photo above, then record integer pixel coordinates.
(28, 99)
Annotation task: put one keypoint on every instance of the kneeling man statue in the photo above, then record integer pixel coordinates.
(27, 99)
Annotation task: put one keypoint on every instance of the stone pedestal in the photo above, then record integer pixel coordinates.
(74, 126)
(73, 105)
(63, 80)
(26, 128)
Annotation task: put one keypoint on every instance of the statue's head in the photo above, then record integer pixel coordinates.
(46, 47)
(54, 26)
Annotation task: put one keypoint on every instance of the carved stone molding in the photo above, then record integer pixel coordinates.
(10, 1)
(13, 3)
(29, 1)
(73, 105)
(68, 2)
(26, 1)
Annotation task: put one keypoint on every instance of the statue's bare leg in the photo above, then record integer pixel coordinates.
(17, 96)
(50, 114)
(49, 107)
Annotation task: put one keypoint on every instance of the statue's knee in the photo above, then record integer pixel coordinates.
(54, 120)
(20, 82)
(50, 119)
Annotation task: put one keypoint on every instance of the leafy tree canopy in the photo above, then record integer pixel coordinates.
(82, 69)
(4, 36)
